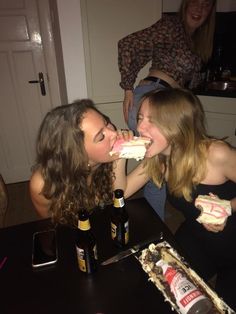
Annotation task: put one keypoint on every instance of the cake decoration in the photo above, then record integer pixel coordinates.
(213, 209)
(148, 260)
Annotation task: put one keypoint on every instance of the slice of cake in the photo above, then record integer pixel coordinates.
(135, 148)
(213, 209)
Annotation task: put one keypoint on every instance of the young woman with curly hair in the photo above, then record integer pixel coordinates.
(73, 169)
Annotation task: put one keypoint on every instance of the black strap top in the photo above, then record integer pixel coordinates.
(225, 191)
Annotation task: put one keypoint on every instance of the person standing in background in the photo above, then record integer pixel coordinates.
(177, 46)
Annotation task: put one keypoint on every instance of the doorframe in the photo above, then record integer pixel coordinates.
(50, 35)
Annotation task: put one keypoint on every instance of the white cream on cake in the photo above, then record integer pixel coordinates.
(148, 261)
(213, 209)
(135, 148)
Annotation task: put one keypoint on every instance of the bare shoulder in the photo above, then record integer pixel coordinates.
(223, 157)
(41, 204)
(36, 182)
(220, 152)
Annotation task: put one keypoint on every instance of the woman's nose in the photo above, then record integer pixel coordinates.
(140, 126)
(112, 133)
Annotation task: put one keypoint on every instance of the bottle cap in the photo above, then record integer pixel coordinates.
(84, 223)
(119, 193)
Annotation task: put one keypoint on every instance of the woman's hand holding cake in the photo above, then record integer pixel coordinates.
(214, 211)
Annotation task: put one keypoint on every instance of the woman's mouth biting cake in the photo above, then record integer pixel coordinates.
(134, 148)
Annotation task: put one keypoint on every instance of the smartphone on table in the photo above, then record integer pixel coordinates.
(44, 248)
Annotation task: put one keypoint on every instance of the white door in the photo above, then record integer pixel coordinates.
(23, 104)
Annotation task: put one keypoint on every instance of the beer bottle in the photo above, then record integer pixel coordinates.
(86, 247)
(188, 297)
(119, 220)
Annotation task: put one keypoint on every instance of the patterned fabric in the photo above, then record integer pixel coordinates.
(166, 44)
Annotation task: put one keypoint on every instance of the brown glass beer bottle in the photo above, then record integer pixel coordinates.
(119, 220)
(86, 247)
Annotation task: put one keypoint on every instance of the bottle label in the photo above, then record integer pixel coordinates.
(185, 292)
(114, 233)
(95, 252)
(84, 225)
(126, 232)
(119, 202)
(82, 260)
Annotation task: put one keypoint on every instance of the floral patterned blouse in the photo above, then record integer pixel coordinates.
(168, 47)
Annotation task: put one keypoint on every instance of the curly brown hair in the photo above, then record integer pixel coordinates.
(63, 163)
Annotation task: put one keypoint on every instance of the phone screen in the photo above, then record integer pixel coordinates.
(44, 248)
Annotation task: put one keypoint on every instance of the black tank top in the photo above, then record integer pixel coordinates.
(221, 241)
(225, 191)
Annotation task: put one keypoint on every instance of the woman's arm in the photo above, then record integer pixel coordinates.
(136, 50)
(41, 204)
(127, 103)
(132, 182)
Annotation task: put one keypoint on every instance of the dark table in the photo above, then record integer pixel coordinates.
(118, 288)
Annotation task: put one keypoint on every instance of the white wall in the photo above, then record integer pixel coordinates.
(72, 48)
(170, 5)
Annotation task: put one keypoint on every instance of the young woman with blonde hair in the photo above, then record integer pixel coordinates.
(191, 163)
(177, 46)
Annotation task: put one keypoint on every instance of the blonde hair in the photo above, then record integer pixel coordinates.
(179, 116)
(203, 37)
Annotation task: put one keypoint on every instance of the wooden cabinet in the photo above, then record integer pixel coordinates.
(220, 117)
(222, 125)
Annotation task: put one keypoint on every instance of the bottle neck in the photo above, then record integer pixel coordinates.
(119, 202)
(84, 225)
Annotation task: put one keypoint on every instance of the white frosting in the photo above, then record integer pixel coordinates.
(213, 209)
(171, 256)
(133, 149)
(135, 152)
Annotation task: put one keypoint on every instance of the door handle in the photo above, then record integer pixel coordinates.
(41, 82)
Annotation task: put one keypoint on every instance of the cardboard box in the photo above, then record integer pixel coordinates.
(170, 255)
